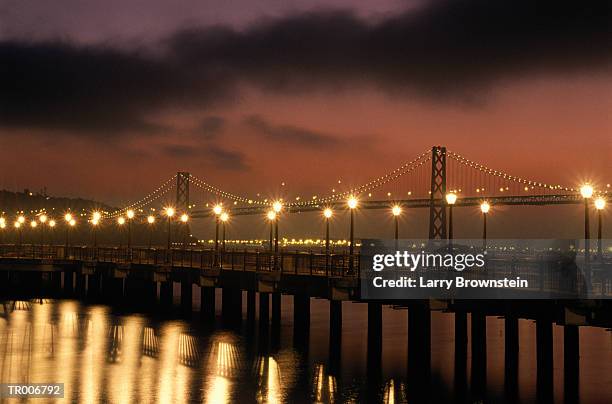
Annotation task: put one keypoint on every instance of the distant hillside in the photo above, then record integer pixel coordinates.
(26, 202)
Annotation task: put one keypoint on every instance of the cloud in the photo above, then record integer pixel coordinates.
(210, 127)
(290, 134)
(213, 155)
(445, 51)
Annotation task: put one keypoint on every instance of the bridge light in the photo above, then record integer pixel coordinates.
(150, 219)
(121, 220)
(2, 225)
(352, 202)
(184, 218)
(72, 223)
(51, 223)
(21, 219)
(96, 216)
(271, 215)
(396, 210)
(17, 225)
(328, 213)
(68, 217)
(33, 224)
(586, 191)
(169, 210)
(485, 207)
(130, 214)
(94, 222)
(224, 217)
(600, 203)
(218, 209)
(277, 206)
(43, 219)
(2, 220)
(451, 198)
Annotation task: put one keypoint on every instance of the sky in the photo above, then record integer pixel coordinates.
(108, 99)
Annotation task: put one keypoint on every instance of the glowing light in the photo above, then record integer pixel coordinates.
(43, 219)
(17, 225)
(169, 210)
(451, 198)
(396, 210)
(33, 224)
(485, 207)
(277, 206)
(2, 225)
(224, 217)
(2, 220)
(600, 203)
(130, 214)
(96, 216)
(150, 219)
(184, 218)
(121, 220)
(72, 223)
(586, 191)
(51, 223)
(328, 213)
(94, 222)
(352, 202)
(68, 217)
(218, 209)
(21, 219)
(271, 215)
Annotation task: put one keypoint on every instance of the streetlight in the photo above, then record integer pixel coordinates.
(120, 222)
(224, 218)
(277, 206)
(2, 227)
(67, 218)
(94, 224)
(72, 223)
(587, 192)
(169, 211)
(396, 211)
(18, 227)
(451, 198)
(151, 221)
(600, 204)
(352, 204)
(484, 208)
(327, 213)
(217, 210)
(271, 217)
(33, 225)
(184, 220)
(43, 220)
(51, 226)
(130, 215)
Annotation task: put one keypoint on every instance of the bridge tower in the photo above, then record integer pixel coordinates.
(182, 191)
(437, 205)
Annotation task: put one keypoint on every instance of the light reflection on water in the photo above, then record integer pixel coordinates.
(106, 357)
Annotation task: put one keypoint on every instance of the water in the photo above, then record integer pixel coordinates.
(106, 356)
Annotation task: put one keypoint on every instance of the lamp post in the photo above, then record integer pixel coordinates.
(587, 192)
(277, 207)
(224, 218)
(2, 227)
(67, 218)
(43, 220)
(352, 204)
(169, 211)
(484, 208)
(271, 215)
(327, 213)
(151, 222)
(71, 224)
(120, 223)
(217, 210)
(33, 225)
(451, 199)
(184, 220)
(600, 204)
(18, 228)
(130, 215)
(51, 227)
(95, 220)
(396, 211)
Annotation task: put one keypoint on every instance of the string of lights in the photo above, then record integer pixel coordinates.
(228, 195)
(500, 174)
(148, 199)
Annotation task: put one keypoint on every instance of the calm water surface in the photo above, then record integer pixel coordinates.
(103, 355)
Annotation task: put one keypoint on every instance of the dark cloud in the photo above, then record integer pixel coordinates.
(210, 127)
(290, 134)
(444, 51)
(211, 154)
